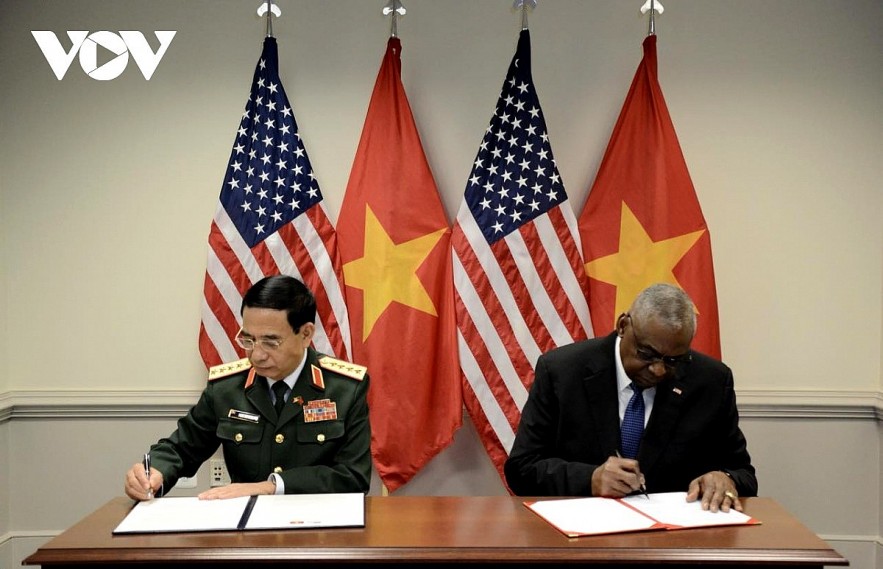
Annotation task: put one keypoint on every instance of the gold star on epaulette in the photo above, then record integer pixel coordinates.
(228, 369)
(342, 367)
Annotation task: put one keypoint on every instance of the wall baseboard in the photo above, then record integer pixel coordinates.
(83, 403)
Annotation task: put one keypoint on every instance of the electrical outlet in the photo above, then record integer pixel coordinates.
(219, 474)
(185, 482)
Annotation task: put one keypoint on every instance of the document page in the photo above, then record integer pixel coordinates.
(662, 511)
(589, 516)
(293, 511)
(180, 514)
(672, 508)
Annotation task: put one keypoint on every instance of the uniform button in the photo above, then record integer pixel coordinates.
(320, 437)
(280, 438)
(278, 470)
(238, 437)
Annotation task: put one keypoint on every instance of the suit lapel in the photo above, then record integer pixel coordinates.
(604, 417)
(259, 395)
(667, 409)
(600, 389)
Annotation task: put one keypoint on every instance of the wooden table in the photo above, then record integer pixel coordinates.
(443, 530)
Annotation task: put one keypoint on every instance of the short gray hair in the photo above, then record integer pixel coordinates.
(668, 304)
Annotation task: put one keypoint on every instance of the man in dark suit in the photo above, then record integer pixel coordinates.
(569, 441)
(317, 441)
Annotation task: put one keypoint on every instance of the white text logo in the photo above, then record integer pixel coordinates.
(86, 44)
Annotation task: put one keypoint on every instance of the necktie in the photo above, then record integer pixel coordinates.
(279, 389)
(633, 423)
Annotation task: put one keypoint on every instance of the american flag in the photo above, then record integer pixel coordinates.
(518, 274)
(270, 220)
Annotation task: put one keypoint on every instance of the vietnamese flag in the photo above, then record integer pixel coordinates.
(394, 241)
(642, 223)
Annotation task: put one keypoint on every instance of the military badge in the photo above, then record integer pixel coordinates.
(318, 380)
(343, 367)
(228, 369)
(320, 410)
(243, 416)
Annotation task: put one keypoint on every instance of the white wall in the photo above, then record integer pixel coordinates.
(109, 186)
(107, 189)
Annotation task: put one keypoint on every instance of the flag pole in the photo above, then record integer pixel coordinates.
(651, 31)
(523, 4)
(270, 10)
(394, 9)
(654, 7)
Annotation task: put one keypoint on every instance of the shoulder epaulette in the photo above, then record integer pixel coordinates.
(228, 369)
(342, 367)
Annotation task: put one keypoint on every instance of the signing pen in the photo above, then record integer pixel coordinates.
(147, 473)
(643, 486)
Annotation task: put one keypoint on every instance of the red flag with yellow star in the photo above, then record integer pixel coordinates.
(394, 240)
(642, 223)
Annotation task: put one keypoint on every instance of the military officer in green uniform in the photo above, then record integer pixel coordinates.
(319, 441)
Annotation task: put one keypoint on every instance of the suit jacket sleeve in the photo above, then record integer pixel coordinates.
(192, 443)
(737, 462)
(536, 466)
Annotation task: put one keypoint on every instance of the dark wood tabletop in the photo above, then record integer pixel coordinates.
(442, 530)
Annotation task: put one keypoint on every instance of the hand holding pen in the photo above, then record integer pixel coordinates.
(147, 474)
(617, 477)
(141, 479)
(643, 487)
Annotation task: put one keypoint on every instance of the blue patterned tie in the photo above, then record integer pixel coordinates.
(633, 423)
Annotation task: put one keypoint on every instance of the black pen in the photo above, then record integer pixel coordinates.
(643, 487)
(147, 473)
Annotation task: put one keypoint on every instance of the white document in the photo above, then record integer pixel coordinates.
(663, 511)
(672, 509)
(183, 514)
(589, 516)
(289, 511)
(307, 511)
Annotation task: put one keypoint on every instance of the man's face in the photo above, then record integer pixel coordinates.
(651, 352)
(277, 349)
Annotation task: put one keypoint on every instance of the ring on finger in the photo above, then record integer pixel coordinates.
(730, 495)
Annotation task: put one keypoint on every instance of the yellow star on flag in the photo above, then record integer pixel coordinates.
(640, 261)
(388, 272)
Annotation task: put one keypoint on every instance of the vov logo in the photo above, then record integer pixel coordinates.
(86, 45)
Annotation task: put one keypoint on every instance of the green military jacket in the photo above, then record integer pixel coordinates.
(321, 441)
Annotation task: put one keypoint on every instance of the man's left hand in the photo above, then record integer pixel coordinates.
(238, 489)
(716, 490)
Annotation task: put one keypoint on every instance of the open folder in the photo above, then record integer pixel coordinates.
(289, 511)
(576, 517)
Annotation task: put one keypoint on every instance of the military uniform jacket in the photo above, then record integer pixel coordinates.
(570, 425)
(320, 442)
